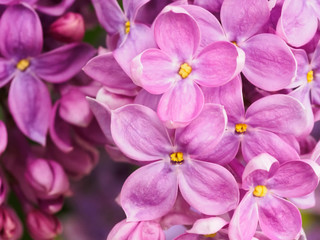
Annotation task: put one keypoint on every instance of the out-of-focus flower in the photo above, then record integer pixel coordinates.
(10, 225)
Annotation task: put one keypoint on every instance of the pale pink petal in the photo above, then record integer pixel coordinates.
(217, 64)
(243, 18)
(298, 23)
(261, 141)
(244, 221)
(203, 134)
(293, 179)
(139, 133)
(155, 71)
(278, 218)
(149, 192)
(210, 225)
(208, 187)
(181, 104)
(305, 202)
(278, 113)
(270, 64)
(122, 230)
(177, 33)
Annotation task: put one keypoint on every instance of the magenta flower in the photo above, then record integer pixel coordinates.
(298, 22)
(126, 36)
(3, 137)
(21, 44)
(269, 125)
(151, 191)
(10, 224)
(268, 184)
(177, 68)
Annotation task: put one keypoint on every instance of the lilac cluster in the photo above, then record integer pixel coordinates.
(215, 101)
(47, 129)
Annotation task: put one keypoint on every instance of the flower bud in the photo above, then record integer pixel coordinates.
(43, 226)
(10, 225)
(47, 178)
(68, 28)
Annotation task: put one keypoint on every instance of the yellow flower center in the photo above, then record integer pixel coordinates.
(234, 43)
(185, 70)
(210, 235)
(241, 127)
(177, 158)
(260, 191)
(310, 76)
(23, 64)
(127, 27)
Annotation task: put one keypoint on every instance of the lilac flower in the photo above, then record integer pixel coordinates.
(177, 69)
(269, 63)
(150, 192)
(268, 184)
(298, 22)
(20, 45)
(127, 37)
(269, 125)
(10, 224)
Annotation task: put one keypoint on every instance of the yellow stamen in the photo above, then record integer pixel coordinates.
(235, 43)
(23, 64)
(310, 76)
(177, 158)
(210, 235)
(241, 127)
(127, 27)
(260, 191)
(185, 70)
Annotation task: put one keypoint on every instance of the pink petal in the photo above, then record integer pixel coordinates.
(244, 221)
(230, 96)
(30, 106)
(177, 33)
(298, 23)
(3, 138)
(208, 187)
(139, 133)
(7, 70)
(122, 230)
(261, 141)
(242, 19)
(209, 225)
(55, 10)
(155, 71)
(278, 218)
(131, 7)
(149, 192)
(203, 133)
(293, 179)
(181, 104)
(217, 64)
(304, 202)
(278, 113)
(105, 69)
(270, 64)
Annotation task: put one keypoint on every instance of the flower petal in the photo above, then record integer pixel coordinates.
(21, 32)
(55, 10)
(6, 71)
(110, 15)
(278, 113)
(155, 71)
(177, 33)
(203, 133)
(217, 64)
(131, 7)
(62, 63)
(209, 225)
(261, 141)
(139, 133)
(243, 18)
(181, 104)
(105, 69)
(4, 137)
(149, 192)
(296, 18)
(278, 218)
(30, 106)
(270, 64)
(293, 179)
(244, 221)
(209, 188)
